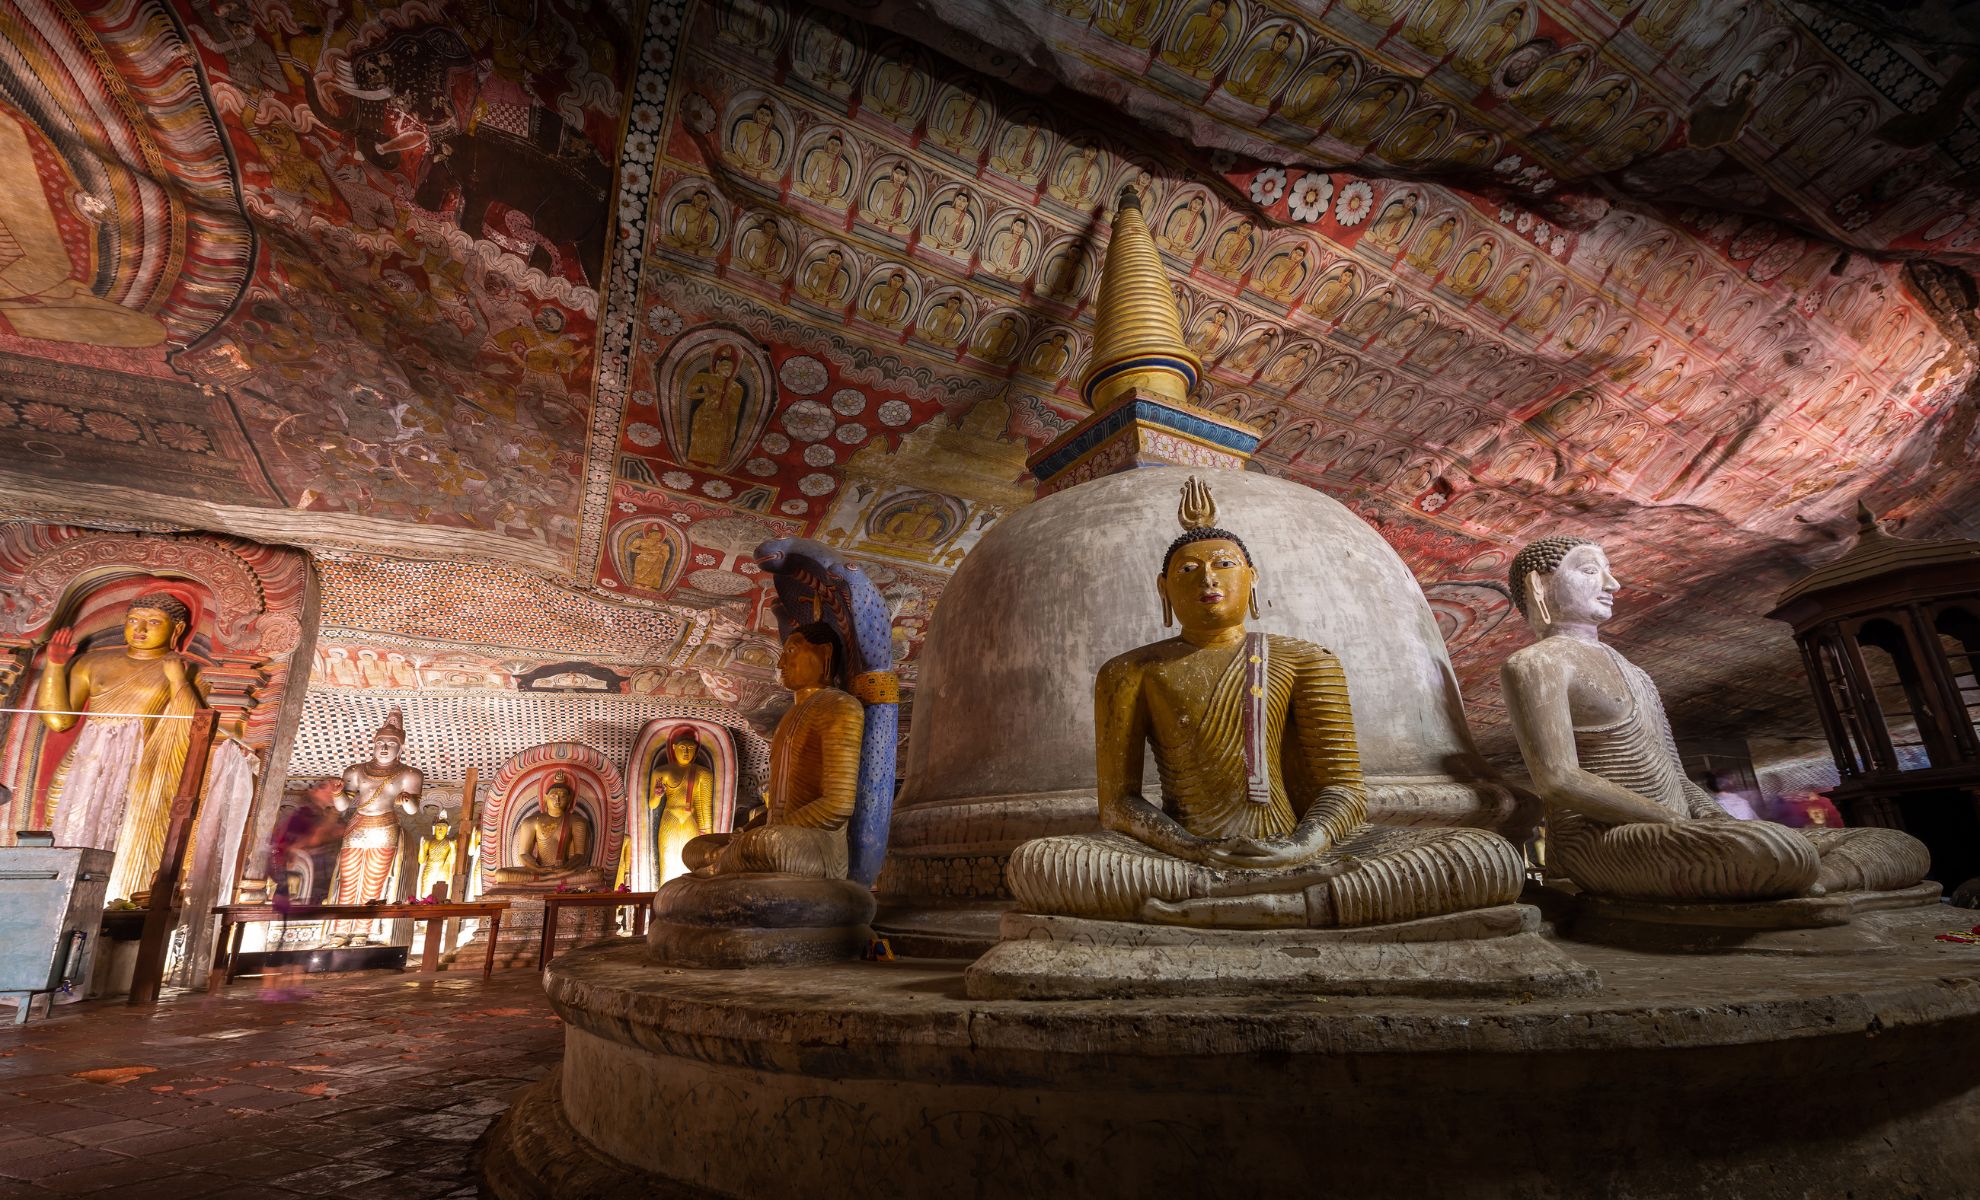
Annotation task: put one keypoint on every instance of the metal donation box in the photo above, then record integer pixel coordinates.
(51, 905)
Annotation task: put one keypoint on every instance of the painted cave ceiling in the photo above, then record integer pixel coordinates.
(604, 295)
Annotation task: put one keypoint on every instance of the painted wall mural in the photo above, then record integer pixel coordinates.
(534, 320)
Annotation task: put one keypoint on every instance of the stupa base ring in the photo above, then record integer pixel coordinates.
(1680, 1076)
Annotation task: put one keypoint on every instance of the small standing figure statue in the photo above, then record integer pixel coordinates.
(683, 789)
(370, 854)
(436, 861)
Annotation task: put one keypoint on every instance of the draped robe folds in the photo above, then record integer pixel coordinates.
(1706, 855)
(113, 790)
(1370, 874)
(814, 782)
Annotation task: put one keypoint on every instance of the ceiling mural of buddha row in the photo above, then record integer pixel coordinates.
(577, 304)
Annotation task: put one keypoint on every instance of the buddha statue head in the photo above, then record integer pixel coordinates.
(389, 741)
(1563, 582)
(810, 658)
(683, 745)
(440, 830)
(557, 796)
(156, 622)
(1207, 579)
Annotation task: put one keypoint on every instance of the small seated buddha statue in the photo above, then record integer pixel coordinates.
(1261, 818)
(553, 846)
(777, 892)
(814, 774)
(1623, 818)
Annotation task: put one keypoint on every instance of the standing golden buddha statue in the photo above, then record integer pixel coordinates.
(1260, 826)
(776, 893)
(113, 788)
(436, 859)
(683, 789)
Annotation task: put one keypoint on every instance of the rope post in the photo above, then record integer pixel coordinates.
(149, 975)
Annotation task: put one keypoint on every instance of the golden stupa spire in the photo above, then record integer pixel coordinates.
(1137, 338)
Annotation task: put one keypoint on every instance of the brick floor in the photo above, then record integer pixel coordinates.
(368, 1085)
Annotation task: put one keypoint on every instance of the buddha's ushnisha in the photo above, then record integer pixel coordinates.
(1623, 819)
(1261, 816)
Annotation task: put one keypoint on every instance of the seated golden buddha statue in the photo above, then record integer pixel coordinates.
(776, 892)
(1623, 819)
(553, 846)
(1261, 818)
(814, 774)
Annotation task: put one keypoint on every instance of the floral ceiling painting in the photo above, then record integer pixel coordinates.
(609, 293)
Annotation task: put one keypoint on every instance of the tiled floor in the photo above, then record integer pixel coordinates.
(372, 1085)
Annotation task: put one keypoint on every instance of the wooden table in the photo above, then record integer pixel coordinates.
(235, 918)
(555, 902)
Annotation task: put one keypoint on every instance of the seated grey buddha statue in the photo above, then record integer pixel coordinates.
(1623, 819)
(1260, 821)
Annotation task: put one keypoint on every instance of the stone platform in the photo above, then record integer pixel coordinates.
(1494, 951)
(1679, 1076)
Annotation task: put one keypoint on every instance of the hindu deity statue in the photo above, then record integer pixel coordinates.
(1623, 818)
(683, 790)
(814, 771)
(436, 859)
(553, 847)
(374, 793)
(1259, 820)
(113, 788)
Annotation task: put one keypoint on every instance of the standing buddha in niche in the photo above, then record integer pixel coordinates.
(682, 789)
(1263, 70)
(714, 399)
(113, 788)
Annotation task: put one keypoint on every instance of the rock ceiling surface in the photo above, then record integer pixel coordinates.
(606, 294)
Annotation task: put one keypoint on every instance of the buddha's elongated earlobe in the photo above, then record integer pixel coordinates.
(1254, 606)
(1168, 610)
(1536, 600)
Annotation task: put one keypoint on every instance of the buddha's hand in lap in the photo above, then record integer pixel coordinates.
(1264, 853)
